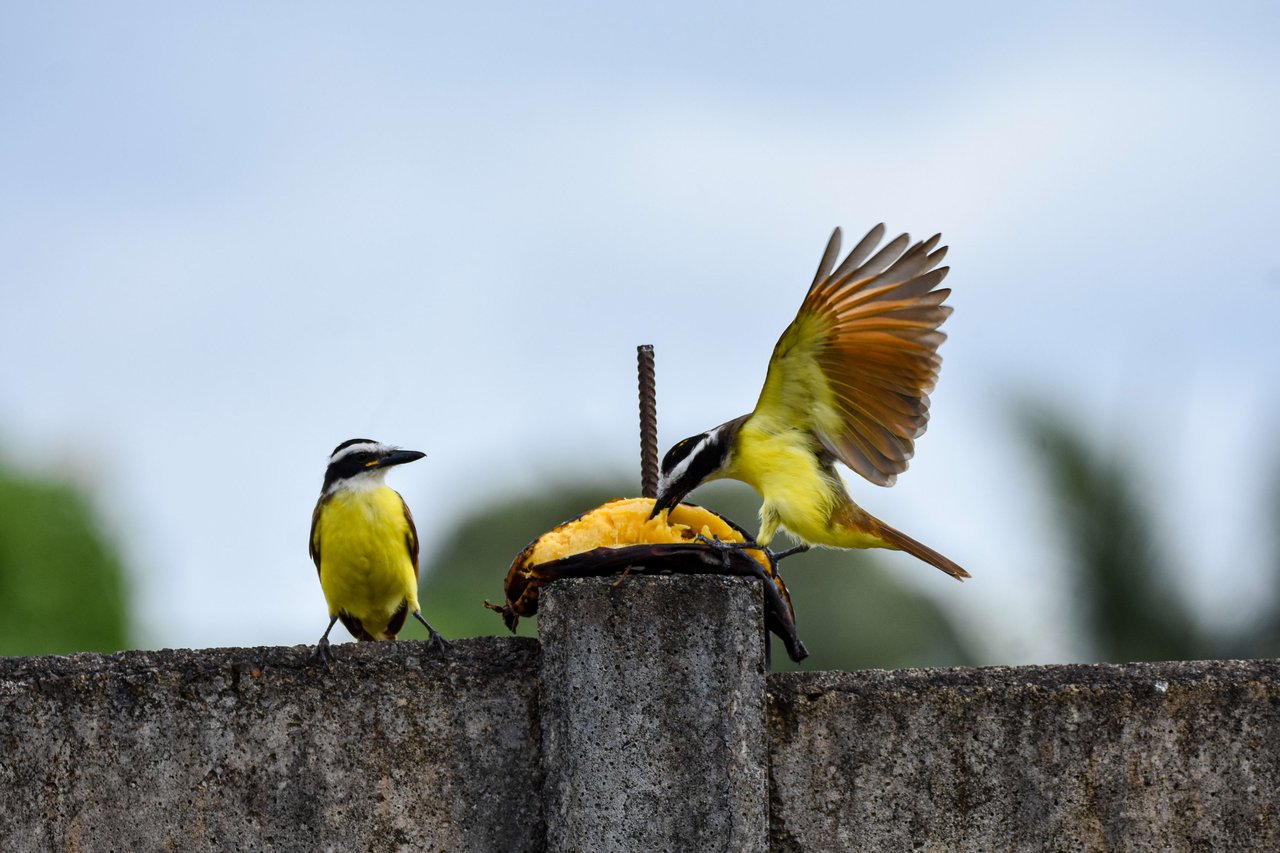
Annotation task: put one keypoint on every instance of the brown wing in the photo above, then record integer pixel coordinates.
(410, 536)
(857, 364)
(313, 539)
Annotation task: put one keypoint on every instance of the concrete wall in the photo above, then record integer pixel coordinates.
(1170, 756)
(251, 749)
(398, 749)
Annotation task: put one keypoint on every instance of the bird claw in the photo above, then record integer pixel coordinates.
(716, 545)
(726, 547)
(323, 655)
(719, 544)
(434, 639)
(438, 642)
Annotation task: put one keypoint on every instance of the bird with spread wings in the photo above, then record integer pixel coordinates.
(849, 381)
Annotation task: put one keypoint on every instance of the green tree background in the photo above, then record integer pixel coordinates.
(1128, 583)
(64, 588)
(62, 584)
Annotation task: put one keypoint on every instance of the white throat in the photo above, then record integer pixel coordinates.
(365, 481)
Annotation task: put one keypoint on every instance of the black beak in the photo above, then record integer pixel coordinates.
(666, 500)
(399, 457)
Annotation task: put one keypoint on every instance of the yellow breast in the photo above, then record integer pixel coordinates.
(365, 565)
(799, 493)
(783, 467)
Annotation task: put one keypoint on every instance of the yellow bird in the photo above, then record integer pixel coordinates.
(849, 380)
(365, 546)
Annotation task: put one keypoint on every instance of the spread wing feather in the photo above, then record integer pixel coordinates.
(857, 364)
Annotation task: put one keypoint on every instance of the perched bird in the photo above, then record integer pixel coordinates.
(365, 545)
(849, 381)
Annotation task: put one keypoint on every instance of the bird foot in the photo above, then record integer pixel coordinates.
(727, 548)
(323, 655)
(721, 545)
(438, 642)
(435, 640)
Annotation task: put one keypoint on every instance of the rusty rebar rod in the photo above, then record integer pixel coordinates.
(648, 421)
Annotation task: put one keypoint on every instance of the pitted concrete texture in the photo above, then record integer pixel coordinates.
(395, 748)
(654, 735)
(1171, 756)
(642, 726)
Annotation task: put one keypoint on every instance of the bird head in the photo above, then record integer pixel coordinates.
(692, 462)
(361, 462)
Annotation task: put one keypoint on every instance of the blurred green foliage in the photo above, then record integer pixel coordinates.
(1270, 619)
(1260, 636)
(1131, 608)
(61, 582)
(851, 612)
(64, 590)
(1128, 583)
(470, 564)
(853, 609)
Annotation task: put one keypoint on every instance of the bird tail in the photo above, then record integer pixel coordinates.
(901, 541)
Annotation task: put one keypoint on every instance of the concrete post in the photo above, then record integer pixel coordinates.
(653, 718)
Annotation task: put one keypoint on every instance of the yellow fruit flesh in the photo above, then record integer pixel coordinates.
(624, 522)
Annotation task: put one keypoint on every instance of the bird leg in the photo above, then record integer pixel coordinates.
(436, 641)
(323, 654)
(782, 555)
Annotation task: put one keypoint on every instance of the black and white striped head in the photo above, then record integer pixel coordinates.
(363, 463)
(693, 461)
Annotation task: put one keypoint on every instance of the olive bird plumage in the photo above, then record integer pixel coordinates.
(365, 545)
(848, 381)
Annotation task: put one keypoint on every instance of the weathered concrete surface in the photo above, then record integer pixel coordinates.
(653, 720)
(1178, 756)
(249, 749)
(642, 725)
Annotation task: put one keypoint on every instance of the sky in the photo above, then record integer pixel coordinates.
(235, 235)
